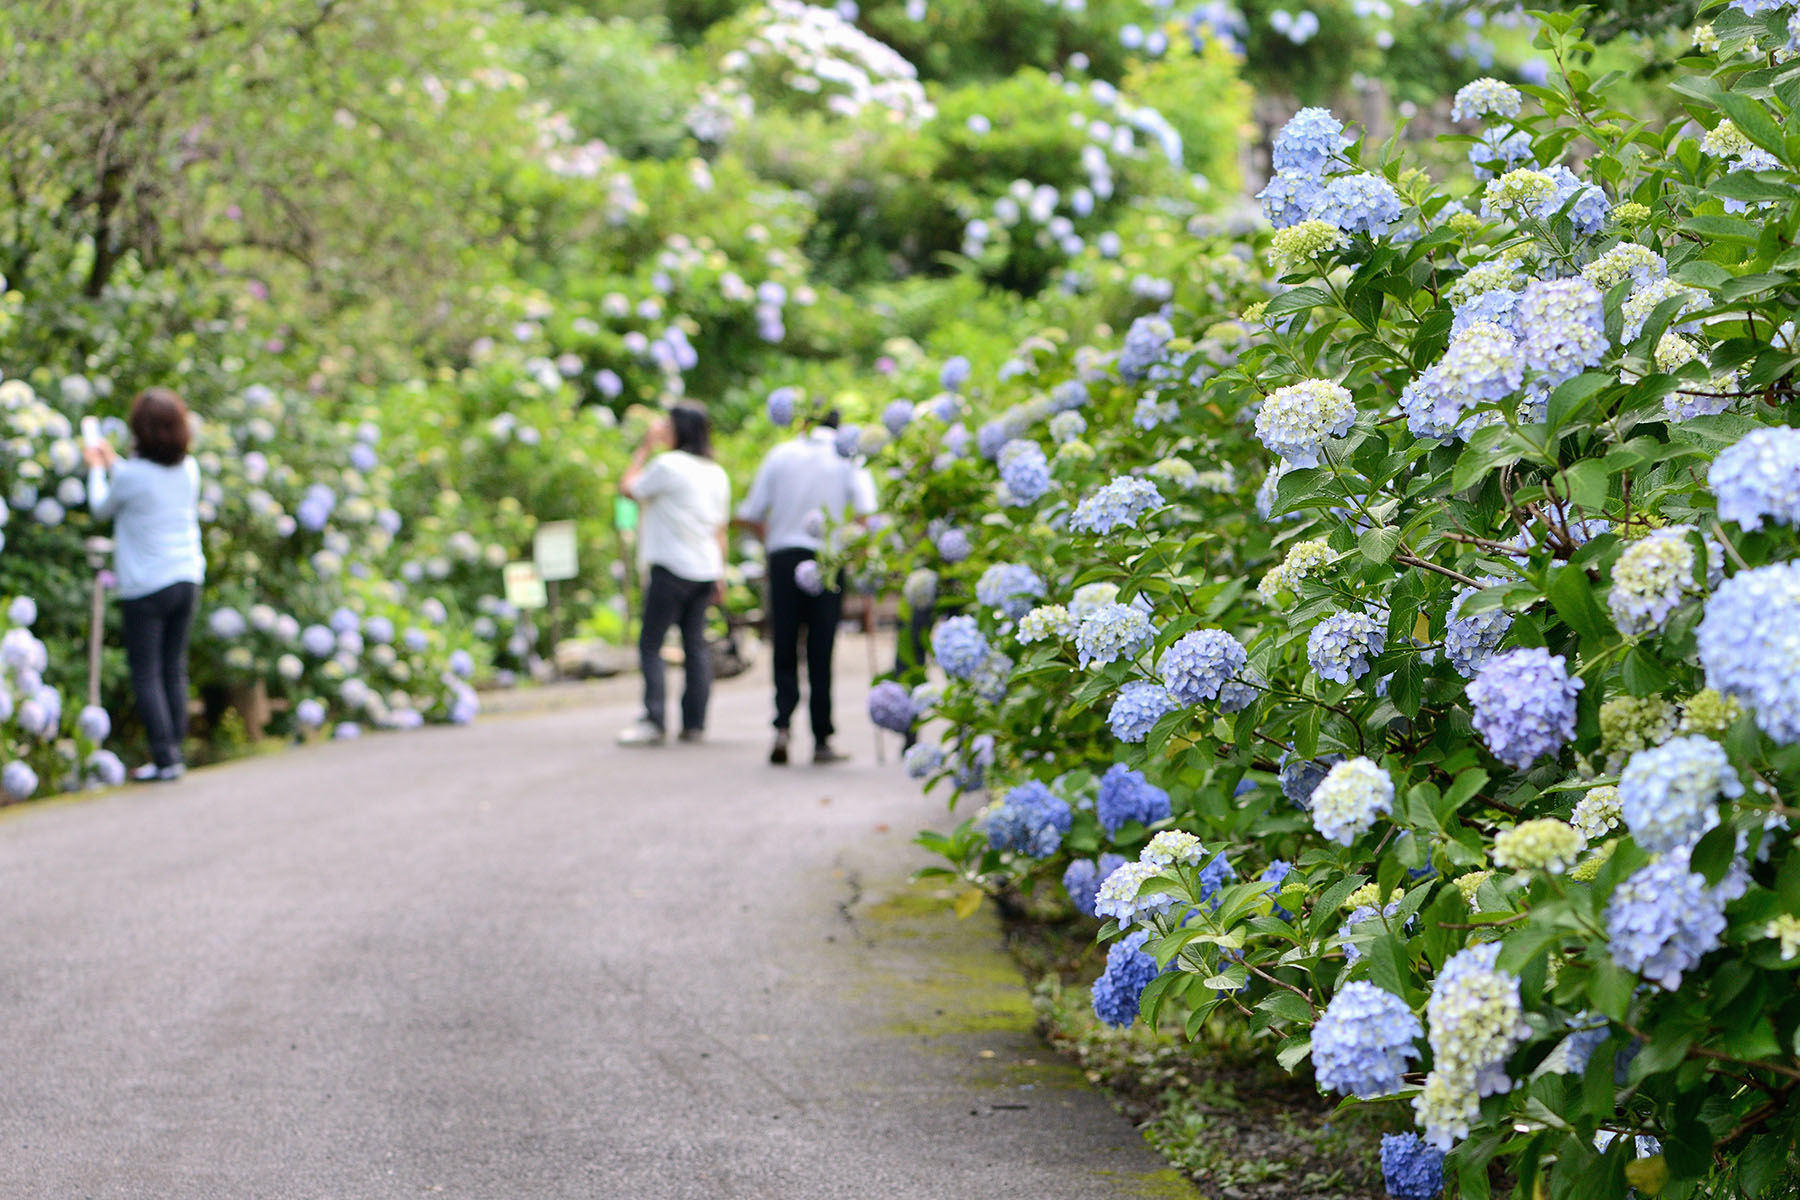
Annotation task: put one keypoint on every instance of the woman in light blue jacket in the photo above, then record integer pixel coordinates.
(153, 499)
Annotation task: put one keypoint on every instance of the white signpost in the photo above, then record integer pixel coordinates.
(553, 550)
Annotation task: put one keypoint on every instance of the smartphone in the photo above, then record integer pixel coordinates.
(90, 431)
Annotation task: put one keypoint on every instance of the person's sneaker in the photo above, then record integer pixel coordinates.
(690, 736)
(642, 734)
(145, 774)
(824, 755)
(171, 773)
(778, 754)
(151, 773)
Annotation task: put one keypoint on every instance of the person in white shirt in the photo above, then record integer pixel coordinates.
(154, 502)
(802, 483)
(686, 506)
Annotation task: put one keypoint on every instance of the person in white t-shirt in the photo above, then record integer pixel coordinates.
(801, 486)
(686, 504)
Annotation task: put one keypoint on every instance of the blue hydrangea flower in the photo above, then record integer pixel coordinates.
(1498, 307)
(923, 760)
(1587, 205)
(1138, 708)
(94, 723)
(22, 612)
(891, 706)
(1114, 632)
(1082, 880)
(1125, 796)
(808, 577)
(1481, 366)
(1066, 427)
(1128, 972)
(973, 760)
(1358, 915)
(1364, 1041)
(318, 641)
(1068, 395)
(17, 780)
(897, 416)
(1469, 642)
(1664, 919)
(1024, 472)
(1146, 344)
(1121, 502)
(1747, 647)
(959, 646)
(105, 769)
(1363, 203)
(1346, 802)
(1031, 820)
(1653, 575)
(1311, 142)
(1758, 478)
(1213, 878)
(1643, 301)
(1200, 664)
(992, 678)
(954, 373)
(309, 714)
(1411, 1169)
(1009, 587)
(1524, 704)
(1119, 895)
(1563, 327)
(952, 545)
(1291, 197)
(1339, 647)
(1669, 795)
(1301, 777)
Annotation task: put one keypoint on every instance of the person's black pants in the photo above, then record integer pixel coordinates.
(671, 600)
(789, 609)
(156, 641)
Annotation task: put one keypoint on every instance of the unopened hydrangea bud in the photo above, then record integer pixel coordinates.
(1589, 867)
(1047, 622)
(1632, 723)
(1520, 190)
(1301, 561)
(1301, 243)
(1469, 884)
(1786, 929)
(1710, 713)
(1545, 844)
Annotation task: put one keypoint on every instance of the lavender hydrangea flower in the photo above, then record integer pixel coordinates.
(1009, 587)
(973, 760)
(1200, 664)
(1346, 802)
(1481, 366)
(1126, 796)
(17, 780)
(1024, 472)
(1121, 897)
(1585, 204)
(1081, 880)
(1296, 421)
(318, 641)
(1364, 1041)
(959, 646)
(1128, 972)
(94, 723)
(896, 417)
(1121, 502)
(1746, 647)
(1498, 307)
(1114, 632)
(1411, 1169)
(105, 769)
(781, 404)
(227, 623)
(1497, 148)
(807, 577)
(309, 714)
(1524, 704)
(952, 545)
(992, 678)
(1664, 919)
(891, 706)
(1031, 820)
(1291, 197)
(23, 611)
(1311, 142)
(1363, 203)
(1339, 647)
(1563, 322)
(954, 373)
(1139, 707)
(1146, 344)
(1758, 478)
(1273, 875)
(1669, 795)
(923, 760)
(1469, 642)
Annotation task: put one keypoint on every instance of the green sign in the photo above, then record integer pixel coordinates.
(625, 514)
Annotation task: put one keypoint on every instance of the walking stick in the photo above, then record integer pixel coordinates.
(869, 627)
(97, 550)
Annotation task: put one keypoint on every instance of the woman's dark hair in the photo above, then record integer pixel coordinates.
(159, 425)
(693, 429)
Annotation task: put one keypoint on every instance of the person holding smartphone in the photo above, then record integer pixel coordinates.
(153, 499)
(686, 502)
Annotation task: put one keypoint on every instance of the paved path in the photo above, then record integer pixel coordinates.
(516, 962)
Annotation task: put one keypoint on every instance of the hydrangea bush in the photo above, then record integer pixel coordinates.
(1457, 646)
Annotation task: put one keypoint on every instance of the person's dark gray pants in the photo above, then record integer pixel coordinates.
(156, 641)
(671, 600)
(790, 607)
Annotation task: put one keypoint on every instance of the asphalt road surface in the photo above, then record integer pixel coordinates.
(516, 961)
